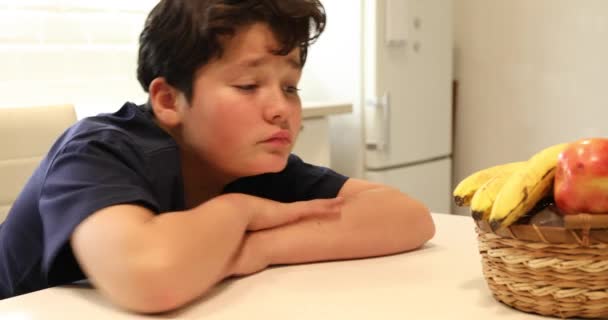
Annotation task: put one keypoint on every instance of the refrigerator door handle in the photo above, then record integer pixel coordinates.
(386, 124)
(383, 104)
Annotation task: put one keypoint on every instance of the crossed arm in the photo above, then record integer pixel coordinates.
(149, 263)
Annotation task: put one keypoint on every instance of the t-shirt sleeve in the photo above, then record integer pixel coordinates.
(84, 177)
(297, 182)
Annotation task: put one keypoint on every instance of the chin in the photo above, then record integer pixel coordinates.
(268, 164)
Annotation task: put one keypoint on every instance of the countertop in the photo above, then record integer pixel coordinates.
(315, 109)
(443, 280)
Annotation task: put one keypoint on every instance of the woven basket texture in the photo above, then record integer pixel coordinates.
(552, 279)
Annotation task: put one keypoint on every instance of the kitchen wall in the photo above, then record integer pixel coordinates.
(84, 52)
(333, 73)
(68, 51)
(530, 74)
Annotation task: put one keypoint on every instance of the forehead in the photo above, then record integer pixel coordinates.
(254, 45)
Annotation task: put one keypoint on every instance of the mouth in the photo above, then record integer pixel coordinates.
(280, 138)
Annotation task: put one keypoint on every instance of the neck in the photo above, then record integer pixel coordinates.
(201, 181)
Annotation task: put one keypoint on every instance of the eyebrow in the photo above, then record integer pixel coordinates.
(252, 63)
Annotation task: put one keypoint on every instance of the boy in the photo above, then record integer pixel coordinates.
(155, 204)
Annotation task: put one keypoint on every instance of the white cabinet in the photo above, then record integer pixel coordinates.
(426, 182)
(313, 142)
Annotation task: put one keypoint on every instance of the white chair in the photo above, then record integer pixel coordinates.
(26, 135)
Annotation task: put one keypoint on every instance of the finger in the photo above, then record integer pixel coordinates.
(318, 207)
(284, 213)
(322, 206)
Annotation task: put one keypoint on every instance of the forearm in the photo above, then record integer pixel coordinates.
(199, 246)
(373, 222)
(151, 263)
(170, 259)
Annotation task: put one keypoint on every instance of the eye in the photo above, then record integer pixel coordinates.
(291, 89)
(247, 87)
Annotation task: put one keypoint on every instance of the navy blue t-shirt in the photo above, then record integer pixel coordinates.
(111, 159)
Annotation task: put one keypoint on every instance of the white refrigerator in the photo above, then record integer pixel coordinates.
(407, 97)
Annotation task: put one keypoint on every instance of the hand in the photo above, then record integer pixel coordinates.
(268, 214)
(253, 255)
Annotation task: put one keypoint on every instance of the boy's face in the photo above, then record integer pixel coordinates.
(245, 112)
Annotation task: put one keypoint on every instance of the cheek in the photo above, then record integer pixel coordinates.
(228, 127)
(296, 124)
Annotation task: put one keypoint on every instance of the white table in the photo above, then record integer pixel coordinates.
(441, 281)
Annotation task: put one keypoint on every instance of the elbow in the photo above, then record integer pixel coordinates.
(149, 285)
(144, 289)
(419, 224)
(427, 226)
(148, 297)
(408, 223)
(152, 301)
(424, 227)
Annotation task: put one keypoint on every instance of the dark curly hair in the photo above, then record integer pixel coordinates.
(180, 36)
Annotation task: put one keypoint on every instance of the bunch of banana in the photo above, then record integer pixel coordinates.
(484, 197)
(464, 191)
(525, 187)
(502, 194)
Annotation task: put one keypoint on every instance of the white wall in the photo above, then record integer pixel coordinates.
(333, 72)
(531, 74)
(84, 52)
(70, 51)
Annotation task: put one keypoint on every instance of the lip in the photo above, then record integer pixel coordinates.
(281, 137)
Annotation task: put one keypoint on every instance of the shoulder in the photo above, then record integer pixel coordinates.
(121, 157)
(130, 126)
(127, 139)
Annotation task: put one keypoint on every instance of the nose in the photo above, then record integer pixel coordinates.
(277, 107)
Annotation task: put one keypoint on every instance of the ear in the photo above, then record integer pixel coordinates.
(166, 102)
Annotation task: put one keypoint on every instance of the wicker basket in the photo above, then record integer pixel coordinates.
(552, 271)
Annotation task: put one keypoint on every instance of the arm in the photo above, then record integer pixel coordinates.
(153, 263)
(375, 220)
(149, 263)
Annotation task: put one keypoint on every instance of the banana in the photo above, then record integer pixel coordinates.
(525, 187)
(465, 190)
(483, 199)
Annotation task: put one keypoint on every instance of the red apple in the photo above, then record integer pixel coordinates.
(581, 177)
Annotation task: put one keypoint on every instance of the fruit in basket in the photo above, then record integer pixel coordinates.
(525, 187)
(483, 199)
(581, 178)
(465, 190)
